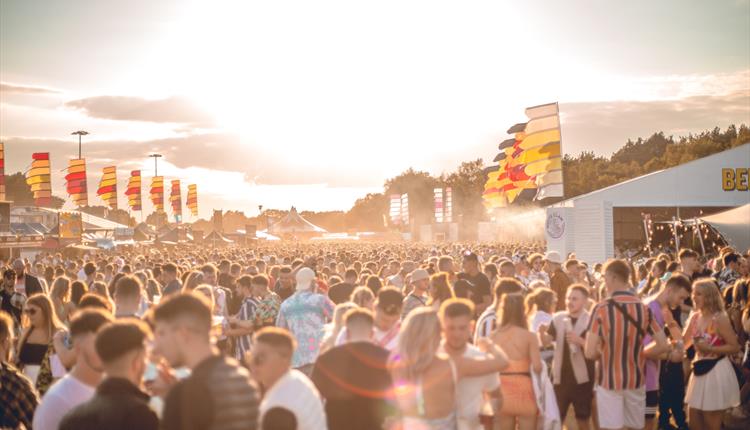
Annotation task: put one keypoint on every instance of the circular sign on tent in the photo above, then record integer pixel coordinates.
(555, 225)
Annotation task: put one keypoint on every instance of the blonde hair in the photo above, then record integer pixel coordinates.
(60, 288)
(712, 300)
(208, 292)
(362, 295)
(540, 299)
(48, 311)
(418, 343)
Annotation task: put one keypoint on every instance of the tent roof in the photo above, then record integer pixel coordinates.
(734, 225)
(293, 222)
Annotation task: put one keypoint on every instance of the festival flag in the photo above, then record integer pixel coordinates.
(76, 184)
(542, 151)
(493, 195)
(192, 199)
(156, 194)
(108, 187)
(2, 172)
(134, 191)
(39, 178)
(175, 198)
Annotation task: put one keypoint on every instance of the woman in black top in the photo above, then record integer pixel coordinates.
(35, 346)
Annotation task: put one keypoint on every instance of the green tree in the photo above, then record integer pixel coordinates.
(19, 192)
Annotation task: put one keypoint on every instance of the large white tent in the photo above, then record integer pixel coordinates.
(734, 226)
(584, 223)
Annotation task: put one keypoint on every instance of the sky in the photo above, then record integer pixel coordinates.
(315, 104)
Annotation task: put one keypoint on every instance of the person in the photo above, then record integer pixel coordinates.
(18, 396)
(713, 386)
(540, 305)
(172, 284)
(440, 290)
(536, 273)
(363, 297)
(128, 293)
(11, 301)
(340, 292)
(60, 296)
(353, 378)
(334, 328)
(271, 363)
(620, 391)
(522, 349)
(481, 293)
(486, 322)
(558, 279)
(118, 402)
(35, 347)
(456, 323)
(420, 281)
(79, 385)
(285, 285)
(242, 325)
(219, 392)
(304, 314)
(572, 373)
(425, 381)
(25, 283)
(278, 418)
(89, 272)
(267, 302)
(727, 277)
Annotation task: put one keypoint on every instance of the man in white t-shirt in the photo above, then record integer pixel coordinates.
(388, 307)
(472, 394)
(286, 389)
(79, 385)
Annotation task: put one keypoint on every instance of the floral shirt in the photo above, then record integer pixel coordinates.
(267, 309)
(305, 314)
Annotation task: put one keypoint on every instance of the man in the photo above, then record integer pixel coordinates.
(620, 394)
(481, 293)
(507, 269)
(558, 280)
(387, 327)
(127, 297)
(11, 301)
(665, 378)
(456, 322)
(18, 398)
(242, 326)
(79, 385)
(729, 274)
(221, 294)
(89, 272)
(446, 264)
(689, 264)
(486, 321)
(399, 279)
(26, 284)
(536, 273)
(270, 362)
(219, 392)
(354, 378)
(572, 373)
(118, 402)
(172, 285)
(420, 283)
(304, 314)
(573, 269)
(341, 292)
(284, 287)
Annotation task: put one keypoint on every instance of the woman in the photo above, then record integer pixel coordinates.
(332, 329)
(425, 381)
(35, 347)
(490, 270)
(192, 281)
(60, 296)
(522, 348)
(653, 281)
(540, 305)
(77, 290)
(363, 297)
(100, 288)
(712, 387)
(440, 290)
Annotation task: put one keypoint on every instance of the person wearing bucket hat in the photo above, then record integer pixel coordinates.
(420, 281)
(558, 279)
(304, 314)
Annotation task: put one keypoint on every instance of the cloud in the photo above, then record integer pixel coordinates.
(175, 109)
(25, 89)
(603, 127)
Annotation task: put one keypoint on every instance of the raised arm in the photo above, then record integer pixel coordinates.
(495, 361)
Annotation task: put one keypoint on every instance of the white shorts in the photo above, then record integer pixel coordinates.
(621, 408)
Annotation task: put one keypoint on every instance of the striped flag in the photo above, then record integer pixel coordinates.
(108, 187)
(39, 178)
(2, 172)
(76, 184)
(192, 199)
(134, 191)
(156, 193)
(175, 198)
(542, 150)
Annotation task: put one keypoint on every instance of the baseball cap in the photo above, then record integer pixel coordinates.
(419, 274)
(553, 257)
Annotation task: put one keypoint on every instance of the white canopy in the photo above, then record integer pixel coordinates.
(293, 223)
(734, 225)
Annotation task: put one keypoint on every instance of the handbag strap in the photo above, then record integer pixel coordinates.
(627, 316)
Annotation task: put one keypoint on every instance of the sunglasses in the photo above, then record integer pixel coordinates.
(29, 311)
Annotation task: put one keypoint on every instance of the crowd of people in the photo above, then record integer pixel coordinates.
(374, 336)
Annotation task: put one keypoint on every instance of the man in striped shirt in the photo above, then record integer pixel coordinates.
(616, 331)
(486, 321)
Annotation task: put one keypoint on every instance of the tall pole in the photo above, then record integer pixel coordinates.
(80, 133)
(156, 167)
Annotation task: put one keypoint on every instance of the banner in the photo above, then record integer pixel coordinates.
(2, 172)
(75, 182)
(156, 194)
(438, 205)
(70, 225)
(39, 178)
(175, 198)
(134, 191)
(108, 187)
(395, 209)
(405, 209)
(192, 199)
(448, 205)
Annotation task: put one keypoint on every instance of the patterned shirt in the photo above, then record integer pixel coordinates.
(485, 323)
(247, 313)
(17, 397)
(266, 310)
(304, 314)
(622, 362)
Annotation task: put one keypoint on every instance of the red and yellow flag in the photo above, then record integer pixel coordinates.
(192, 199)
(175, 198)
(39, 178)
(134, 191)
(156, 194)
(76, 184)
(2, 172)
(108, 187)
